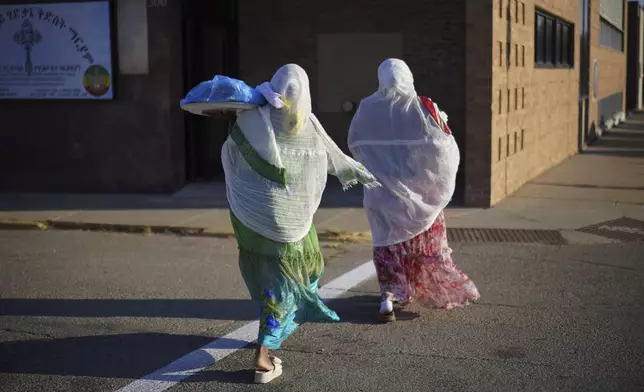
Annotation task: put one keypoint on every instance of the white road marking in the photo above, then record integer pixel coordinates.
(204, 357)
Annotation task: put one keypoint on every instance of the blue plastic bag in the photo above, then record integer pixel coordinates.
(223, 89)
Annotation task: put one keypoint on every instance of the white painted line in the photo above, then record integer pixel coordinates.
(347, 281)
(204, 357)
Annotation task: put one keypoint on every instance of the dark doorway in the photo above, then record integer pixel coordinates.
(634, 57)
(584, 73)
(210, 48)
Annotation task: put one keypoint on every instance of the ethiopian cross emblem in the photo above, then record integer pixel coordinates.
(27, 37)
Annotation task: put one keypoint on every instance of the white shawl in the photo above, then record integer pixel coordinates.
(398, 141)
(286, 134)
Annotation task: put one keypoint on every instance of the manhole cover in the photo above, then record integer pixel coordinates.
(622, 229)
(549, 237)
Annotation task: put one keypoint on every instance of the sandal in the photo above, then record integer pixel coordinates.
(266, 376)
(386, 313)
(387, 317)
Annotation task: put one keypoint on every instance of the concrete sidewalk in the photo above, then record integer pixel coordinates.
(603, 183)
(198, 206)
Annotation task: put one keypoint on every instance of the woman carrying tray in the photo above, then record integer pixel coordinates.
(276, 161)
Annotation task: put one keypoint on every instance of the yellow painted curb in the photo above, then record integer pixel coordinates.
(332, 235)
(22, 225)
(125, 228)
(329, 235)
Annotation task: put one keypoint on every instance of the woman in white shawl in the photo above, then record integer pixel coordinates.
(405, 142)
(276, 162)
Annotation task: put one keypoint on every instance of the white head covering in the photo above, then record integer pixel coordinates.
(286, 134)
(398, 141)
(289, 91)
(395, 78)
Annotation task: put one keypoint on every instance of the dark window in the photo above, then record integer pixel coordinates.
(553, 41)
(610, 36)
(566, 37)
(549, 37)
(558, 45)
(540, 35)
(584, 48)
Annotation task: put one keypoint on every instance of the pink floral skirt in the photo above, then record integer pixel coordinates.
(421, 270)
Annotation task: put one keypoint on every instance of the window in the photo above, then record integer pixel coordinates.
(558, 46)
(554, 40)
(611, 26)
(610, 36)
(565, 50)
(540, 50)
(549, 59)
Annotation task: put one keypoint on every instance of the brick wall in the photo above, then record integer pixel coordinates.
(433, 38)
(512, 121)
(534, 111)
(478, 93)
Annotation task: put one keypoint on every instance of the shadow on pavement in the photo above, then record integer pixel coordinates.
(615, 153)
(223, 377)
(618, 140)
(108, 356)
(135, 355)
(208, 309)
(590, 186)
(625, 140)
(361, 309)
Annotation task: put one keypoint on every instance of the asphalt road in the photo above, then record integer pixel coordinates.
(94, 312)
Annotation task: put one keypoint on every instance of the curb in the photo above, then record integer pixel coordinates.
(323, 236)
(551, 237)
(22, 225)
(124, 228)
(138, 229)
(331, 235)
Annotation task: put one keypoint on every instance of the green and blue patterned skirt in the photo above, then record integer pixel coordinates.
(283, 279)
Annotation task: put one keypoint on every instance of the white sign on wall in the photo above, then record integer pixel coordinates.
(56, 51)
